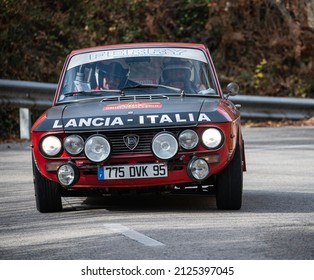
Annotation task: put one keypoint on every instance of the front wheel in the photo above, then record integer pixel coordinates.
(48, 194)
(229, 184)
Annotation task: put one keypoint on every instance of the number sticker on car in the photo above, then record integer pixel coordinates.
(132, 171)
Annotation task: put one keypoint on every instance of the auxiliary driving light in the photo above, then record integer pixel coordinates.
(97, 148)
(188, 139)
(165, 146)
(73, 144)
(198, 169)
(68, 174)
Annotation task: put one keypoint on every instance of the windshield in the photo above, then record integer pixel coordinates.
(132, 71)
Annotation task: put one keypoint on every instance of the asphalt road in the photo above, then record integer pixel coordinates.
(275, 222)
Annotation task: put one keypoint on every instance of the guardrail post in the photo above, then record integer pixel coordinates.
(25, 123)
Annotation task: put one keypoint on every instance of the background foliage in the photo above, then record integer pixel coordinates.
(264, 45)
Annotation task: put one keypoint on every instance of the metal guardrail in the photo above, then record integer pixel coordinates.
(32, 95)
(35, 95)
(268, 107)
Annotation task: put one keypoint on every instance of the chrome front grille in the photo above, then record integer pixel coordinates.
(145, 140)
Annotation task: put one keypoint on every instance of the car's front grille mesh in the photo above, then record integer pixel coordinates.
(144, 144)
(118, 145)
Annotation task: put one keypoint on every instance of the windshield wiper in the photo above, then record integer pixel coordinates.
(139, 86)
(83, 92)
(148, 86)
(90, 92)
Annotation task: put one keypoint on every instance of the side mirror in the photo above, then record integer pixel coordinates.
(232, 89)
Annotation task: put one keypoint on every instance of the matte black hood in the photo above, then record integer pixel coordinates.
(127, 114)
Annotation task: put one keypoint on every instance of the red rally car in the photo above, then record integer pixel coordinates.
(139, 117)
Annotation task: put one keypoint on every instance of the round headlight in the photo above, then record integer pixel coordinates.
(51, 145)
(68, 174)
(198, 169)
(165, 146)
(97, 148)
(212, 138)
(73, 144)
(188, 139)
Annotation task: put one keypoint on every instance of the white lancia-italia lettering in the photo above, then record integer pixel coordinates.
(56, 124)
(142, 120)
(152, 118)
(116, 121)
(178, 118)
(98, 122)
(165, 118)
(107, 122)
(203, 117)
(72, 123)
(85, 122)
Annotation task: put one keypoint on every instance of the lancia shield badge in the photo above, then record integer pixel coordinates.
(131, 141)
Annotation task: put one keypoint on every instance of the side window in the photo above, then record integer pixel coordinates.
(67, 85)
(205, 85)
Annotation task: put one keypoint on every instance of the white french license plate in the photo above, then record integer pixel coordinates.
(132, 171)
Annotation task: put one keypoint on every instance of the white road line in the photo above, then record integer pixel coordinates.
(139, 237)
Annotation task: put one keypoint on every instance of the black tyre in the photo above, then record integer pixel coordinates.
(48, 193)
(229, 184)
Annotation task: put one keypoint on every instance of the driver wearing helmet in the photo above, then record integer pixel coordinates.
(112, 76)
(177, 74)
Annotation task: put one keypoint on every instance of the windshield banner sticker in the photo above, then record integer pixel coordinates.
(139, 52)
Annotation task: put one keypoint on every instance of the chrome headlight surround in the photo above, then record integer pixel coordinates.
(165, 146)
(188, 139)
(73, 144)
(97, 148)
(212, 138)
(50, 146)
